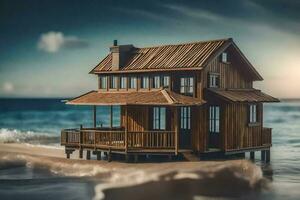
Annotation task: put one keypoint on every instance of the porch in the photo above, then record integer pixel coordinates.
(120, 141)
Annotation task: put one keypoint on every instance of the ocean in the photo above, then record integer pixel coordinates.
(38, 122)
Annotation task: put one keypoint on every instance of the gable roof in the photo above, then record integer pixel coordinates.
(187, 56)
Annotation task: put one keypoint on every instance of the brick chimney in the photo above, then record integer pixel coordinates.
(120, 54)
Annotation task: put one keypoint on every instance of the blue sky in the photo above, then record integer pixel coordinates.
(47, 48)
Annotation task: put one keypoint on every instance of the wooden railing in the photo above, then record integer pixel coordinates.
(267, 136)
(152, 139)
(118, 139)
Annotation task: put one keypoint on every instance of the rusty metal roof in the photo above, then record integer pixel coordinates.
(158, 97)
(242, 95)
(167, 57)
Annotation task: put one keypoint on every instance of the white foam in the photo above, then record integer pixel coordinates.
(30, 137)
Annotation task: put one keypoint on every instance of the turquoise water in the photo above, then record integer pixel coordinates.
(39, 121)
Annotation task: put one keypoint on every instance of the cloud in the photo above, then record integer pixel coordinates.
(52, 42)
(8, 87)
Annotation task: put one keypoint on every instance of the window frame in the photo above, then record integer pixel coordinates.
(103, 79)
(214, 80)
(159, 121)
(113, 82)
(165, 81)
(130, 82)
(188, 86)
(253, 114)
(145, 82)
(121, 82)
(185, 117)
(156, 82)
(214, 119)
(224, 57)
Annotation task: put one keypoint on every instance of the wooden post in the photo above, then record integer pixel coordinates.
(111, 116)
(88, 154)
(99, 155)
(95, 116)
(268, 156)
(80, 153)
(263, 155)
(109, 156)
(126, 129)
(252, 155)
(136, 158)
(176, 130)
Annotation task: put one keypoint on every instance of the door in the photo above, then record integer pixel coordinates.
(185, 128)
(214, 127)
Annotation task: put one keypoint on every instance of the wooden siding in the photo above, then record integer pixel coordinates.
(231, 76)
(138, 118)
(199, 125)
(236, 132)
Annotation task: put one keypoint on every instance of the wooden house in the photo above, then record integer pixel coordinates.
(194, 97)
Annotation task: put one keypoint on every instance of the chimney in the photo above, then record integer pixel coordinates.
(120, 54)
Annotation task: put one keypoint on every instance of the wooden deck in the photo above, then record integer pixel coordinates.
(120, 141)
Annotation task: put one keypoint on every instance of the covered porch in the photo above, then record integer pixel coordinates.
(140, 132)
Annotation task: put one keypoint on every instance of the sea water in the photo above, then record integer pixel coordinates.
(39, 121)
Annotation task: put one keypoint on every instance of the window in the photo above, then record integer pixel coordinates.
(103, 82)
(113, 82)
(132, 82)
(214, 80)
(252, 113)
(187, 85)
(166, 81)
(224, 57)
(156, 82)
(145, 82)
(185, 117)
(159, 118)
(214, 119)
(123, 82)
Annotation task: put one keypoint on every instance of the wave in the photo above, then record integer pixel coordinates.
(147, 180)
(30, 137)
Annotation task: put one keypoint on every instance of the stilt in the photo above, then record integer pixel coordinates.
(268, 156)
(109, 156)
(99, 155)
(68, 155)
(136, 158)
(80, 153)
(88, 154)
(252, 155)
(126, 157)
(170, 157)
(263, 155)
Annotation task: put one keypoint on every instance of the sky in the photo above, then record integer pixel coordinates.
(47, 47)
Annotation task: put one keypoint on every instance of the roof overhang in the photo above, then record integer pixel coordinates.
(240, 95)
(159, 97)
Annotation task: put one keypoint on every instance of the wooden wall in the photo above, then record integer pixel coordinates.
(199, 125)
(138, 118)
(236, 132)
(231, 74)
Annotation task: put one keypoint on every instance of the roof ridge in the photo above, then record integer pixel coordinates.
(186, 43)
(167, 96)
